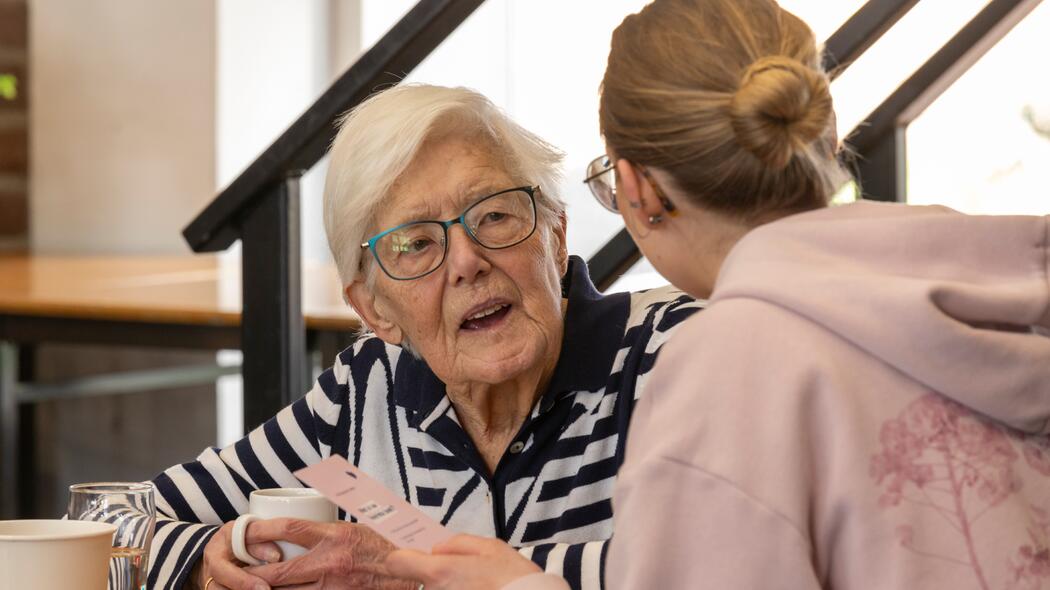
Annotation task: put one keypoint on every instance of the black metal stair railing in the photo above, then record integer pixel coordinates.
(878, 142)
(261, 206)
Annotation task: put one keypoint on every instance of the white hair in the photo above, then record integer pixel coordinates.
(379, 138)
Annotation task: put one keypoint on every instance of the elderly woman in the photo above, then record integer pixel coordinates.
(506, 418)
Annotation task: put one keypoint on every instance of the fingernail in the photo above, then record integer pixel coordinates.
(261, 586)
(272, 555)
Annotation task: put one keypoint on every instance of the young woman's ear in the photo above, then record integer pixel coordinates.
(364, 303)
(635, 198)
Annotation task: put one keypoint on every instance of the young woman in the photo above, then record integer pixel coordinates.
(866, 401)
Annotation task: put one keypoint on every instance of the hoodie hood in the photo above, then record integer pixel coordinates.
(959, 303)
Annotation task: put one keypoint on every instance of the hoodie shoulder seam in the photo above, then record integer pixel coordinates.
(802, 537)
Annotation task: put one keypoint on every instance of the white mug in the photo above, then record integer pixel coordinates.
(48, 554)
(303, 503)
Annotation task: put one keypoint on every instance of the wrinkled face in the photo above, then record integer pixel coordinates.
(485, 315)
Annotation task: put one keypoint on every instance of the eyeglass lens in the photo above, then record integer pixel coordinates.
(602, 182)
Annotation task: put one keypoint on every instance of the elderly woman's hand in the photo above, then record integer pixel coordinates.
(464, 562)
(224, 570)
(341, 556)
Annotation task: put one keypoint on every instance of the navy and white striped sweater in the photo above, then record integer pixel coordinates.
(387, 412)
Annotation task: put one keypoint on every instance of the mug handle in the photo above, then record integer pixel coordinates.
(240, 550)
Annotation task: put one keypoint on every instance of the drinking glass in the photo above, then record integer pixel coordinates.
(130, 507)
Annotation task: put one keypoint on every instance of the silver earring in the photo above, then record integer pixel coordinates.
(655, 219)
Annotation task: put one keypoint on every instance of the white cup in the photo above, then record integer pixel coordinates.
(48, 554)
(302, 503)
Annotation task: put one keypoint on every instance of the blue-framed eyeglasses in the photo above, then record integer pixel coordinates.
(415, 249)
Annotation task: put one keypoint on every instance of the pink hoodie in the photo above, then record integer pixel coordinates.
(864, 405)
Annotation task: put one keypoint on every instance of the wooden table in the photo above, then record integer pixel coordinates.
(190, 302)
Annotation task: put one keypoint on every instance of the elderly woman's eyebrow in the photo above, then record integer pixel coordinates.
(465, 197)
(469, 193)
(423, 212)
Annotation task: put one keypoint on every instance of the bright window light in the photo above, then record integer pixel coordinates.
(983, 145)
(896, 56)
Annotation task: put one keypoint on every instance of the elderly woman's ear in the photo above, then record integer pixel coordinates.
(364, 303)
(561, 250)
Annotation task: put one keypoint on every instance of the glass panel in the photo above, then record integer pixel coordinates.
(983, 146)
(822, 16)
(889, 62)
(641, 276)
(846, 194)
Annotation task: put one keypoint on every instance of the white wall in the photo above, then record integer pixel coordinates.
(121, 123)
(122, 120)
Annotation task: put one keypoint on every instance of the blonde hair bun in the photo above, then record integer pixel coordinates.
(688, 91)
(780, 108)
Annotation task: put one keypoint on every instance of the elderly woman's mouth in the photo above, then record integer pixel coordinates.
(486, 317)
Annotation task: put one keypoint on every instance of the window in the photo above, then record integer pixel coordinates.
(896, 56)
(983, 145)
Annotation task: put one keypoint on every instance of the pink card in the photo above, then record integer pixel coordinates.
(373, 504)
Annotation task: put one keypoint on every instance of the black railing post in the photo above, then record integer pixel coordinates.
(273, 334)
(614, 259)
(882, 169)
(27, 461)
(9, 458)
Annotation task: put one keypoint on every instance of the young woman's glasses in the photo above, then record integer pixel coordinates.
(416, 249)
(601, 179)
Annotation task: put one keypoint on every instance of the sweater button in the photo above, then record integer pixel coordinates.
(517, 447)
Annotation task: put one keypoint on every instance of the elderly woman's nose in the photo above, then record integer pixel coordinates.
(466, 261)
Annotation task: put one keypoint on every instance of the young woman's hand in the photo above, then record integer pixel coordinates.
(464, 562)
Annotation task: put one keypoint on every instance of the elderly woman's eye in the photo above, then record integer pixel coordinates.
(419, 245)
(493, 216)
(410, 245)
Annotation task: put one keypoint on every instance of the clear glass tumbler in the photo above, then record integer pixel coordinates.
(131, 508)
